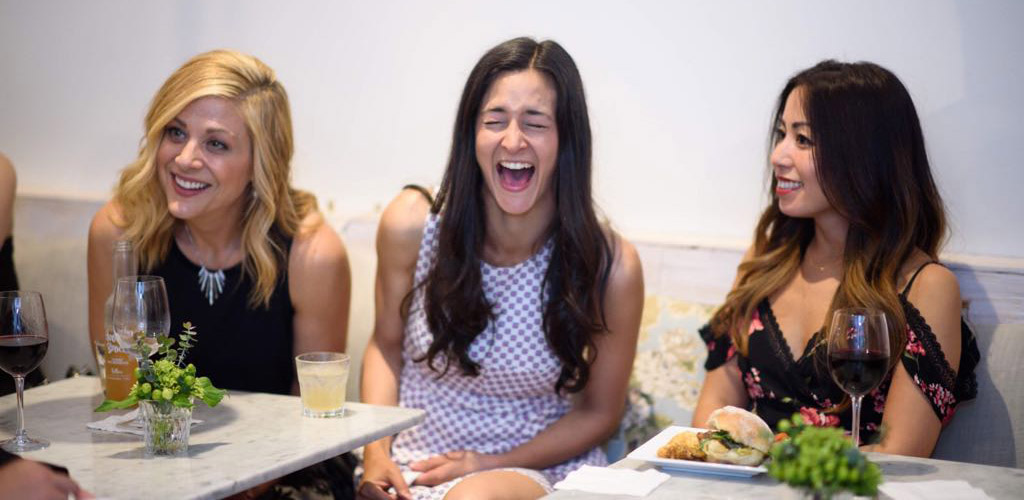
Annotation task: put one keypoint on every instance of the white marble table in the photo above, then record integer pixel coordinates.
(246, 440)
(998, 482)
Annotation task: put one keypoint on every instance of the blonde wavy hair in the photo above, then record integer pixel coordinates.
(275, 210)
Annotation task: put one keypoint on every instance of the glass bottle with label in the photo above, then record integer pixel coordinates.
(119, 364)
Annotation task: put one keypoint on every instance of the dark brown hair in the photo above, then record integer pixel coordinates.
(577, 275)
(871, 162)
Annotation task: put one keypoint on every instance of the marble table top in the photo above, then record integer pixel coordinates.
(998, 482)
(248, 439)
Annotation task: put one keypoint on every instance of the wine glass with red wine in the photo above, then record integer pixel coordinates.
(858, 354)
(23, 341)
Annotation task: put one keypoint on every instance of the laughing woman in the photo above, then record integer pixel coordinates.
(210, 195)
(493, 302)
(855, 220)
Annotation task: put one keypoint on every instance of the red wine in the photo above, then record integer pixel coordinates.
(858, 372)
(20, 354)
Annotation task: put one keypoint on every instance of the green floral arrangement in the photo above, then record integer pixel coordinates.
(821, 460)
(165, 380)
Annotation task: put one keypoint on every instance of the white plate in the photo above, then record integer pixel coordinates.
(648, 452)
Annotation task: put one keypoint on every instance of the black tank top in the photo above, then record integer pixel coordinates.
(9, 282)
(238, 347)
(8, 277)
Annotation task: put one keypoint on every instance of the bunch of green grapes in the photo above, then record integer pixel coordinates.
(821, 459)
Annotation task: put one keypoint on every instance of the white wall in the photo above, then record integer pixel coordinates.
(680, 93)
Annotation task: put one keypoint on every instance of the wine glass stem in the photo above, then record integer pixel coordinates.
(856, 400)
(19, 385)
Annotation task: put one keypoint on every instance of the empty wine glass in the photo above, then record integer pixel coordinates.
(140, 314)
(24, 338)
(858, 354)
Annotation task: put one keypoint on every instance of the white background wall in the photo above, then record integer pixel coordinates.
(680, 93)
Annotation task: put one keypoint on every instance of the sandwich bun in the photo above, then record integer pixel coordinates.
(744, 428)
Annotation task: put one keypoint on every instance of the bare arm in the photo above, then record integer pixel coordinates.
(8, 188)
(911, 423)
(28, 479)
(723, 386)
(398, 239)
(320, 287)
(103, 232)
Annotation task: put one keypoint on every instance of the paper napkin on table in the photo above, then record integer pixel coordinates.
(932, 490)
(612, 481)
(124, 424)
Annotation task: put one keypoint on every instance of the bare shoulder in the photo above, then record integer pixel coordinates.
(627, 274)
(316, 245)
(935, 293)
(8, 177)
(401, 226)
(8, 189)
(935, 286)
(107, 223)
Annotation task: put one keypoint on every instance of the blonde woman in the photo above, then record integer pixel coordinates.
(208, 205)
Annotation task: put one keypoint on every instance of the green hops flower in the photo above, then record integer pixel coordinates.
(821, 459)
(166, 379)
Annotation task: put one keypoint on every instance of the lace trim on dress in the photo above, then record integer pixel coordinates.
(962, 382)
(927, 338)
(778, 341)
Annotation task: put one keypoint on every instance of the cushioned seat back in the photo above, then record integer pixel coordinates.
(990, 429)
(668, 371)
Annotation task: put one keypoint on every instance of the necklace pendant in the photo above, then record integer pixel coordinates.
(211, 283)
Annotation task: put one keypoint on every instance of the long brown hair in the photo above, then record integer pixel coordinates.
(871, 163)
(274, 210)
(577, 275)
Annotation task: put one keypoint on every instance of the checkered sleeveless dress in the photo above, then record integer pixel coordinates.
(511, 400)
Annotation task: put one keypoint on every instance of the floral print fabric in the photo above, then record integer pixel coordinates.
(780, 384)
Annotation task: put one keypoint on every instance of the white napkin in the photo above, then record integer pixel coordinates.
(932, 490)
(612, 481)
(130, 425)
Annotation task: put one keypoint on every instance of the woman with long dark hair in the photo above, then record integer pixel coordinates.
(493, 301)
(855, 220)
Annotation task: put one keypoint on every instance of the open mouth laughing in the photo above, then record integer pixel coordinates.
(515, 175)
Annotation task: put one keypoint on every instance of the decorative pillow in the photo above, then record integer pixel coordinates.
(668, 371)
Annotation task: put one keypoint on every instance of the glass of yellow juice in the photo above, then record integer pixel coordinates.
(323, 377)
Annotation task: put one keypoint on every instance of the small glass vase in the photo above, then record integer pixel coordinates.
(165, 428)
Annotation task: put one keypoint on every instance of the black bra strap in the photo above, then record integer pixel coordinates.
(910, 283)
(422, 190)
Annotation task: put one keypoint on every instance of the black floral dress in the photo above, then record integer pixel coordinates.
(780, 384)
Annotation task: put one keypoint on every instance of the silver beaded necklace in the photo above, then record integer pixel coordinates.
(211, 283)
